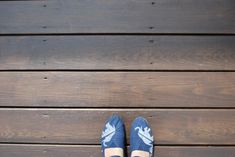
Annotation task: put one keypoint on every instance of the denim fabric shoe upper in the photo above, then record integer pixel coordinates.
(113, 134)
(141, 136)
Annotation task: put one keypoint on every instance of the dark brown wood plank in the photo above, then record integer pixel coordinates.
(25, 150)
(115, 16)
(194, 151)
(83, 126)
(117, 89)
(118, 52)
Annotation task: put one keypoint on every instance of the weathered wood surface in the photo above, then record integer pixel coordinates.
(115, 16)
(117, 52)
(188, 110)
(117, 89)
(25, 150)
(83, 126)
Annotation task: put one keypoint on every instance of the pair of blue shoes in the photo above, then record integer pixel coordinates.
(141, 136)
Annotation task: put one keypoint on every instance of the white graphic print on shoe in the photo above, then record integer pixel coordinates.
(144, 134)
(108, 133)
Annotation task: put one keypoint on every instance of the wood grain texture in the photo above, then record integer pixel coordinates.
(83, 126)
(117, 52)
(115, 16)
(117, 89)
(25, 150)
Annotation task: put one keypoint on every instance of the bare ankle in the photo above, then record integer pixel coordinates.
(139, 153)
(113, 152)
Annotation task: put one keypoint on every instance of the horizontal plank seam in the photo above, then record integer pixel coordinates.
(117, 34)
(94, 145)
(108, 70)
(111, 109)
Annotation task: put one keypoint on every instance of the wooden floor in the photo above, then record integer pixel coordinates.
(67, 65)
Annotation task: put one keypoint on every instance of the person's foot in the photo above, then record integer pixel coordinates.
(113, 137)
(141, 138)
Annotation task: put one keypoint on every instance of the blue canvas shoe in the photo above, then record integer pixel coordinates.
(113, 134)
(141, 136)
